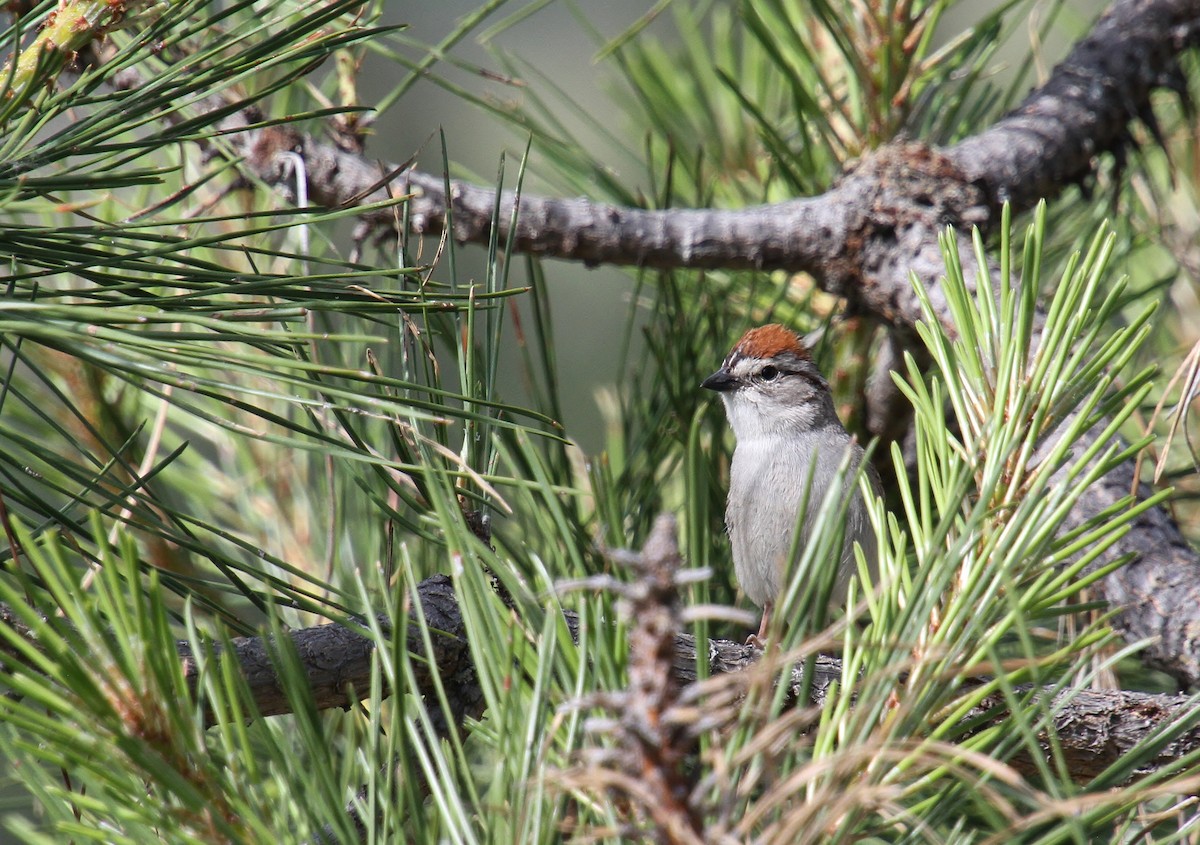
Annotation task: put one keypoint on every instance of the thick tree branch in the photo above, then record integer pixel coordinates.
(861, 238)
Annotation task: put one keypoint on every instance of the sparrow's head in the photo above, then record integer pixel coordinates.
(770, 384)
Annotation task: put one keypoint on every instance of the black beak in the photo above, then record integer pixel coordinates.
(720, 381)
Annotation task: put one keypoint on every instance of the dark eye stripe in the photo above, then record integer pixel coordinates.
(773, 372)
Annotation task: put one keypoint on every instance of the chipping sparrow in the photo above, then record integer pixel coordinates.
(789, 440)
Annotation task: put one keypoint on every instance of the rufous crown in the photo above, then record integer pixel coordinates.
(770, 341)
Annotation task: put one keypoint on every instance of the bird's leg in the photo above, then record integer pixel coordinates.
(759, 640)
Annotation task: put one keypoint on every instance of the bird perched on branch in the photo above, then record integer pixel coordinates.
(790, 447)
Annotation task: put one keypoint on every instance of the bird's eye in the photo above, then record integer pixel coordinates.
(769, 373)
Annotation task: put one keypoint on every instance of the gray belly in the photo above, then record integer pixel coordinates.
(766, 493)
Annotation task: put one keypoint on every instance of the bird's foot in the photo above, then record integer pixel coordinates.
(759, 640)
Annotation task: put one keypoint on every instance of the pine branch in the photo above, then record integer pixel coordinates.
(861, 238)
(1093, 728)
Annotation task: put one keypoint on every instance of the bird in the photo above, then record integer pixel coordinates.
(789, 446)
